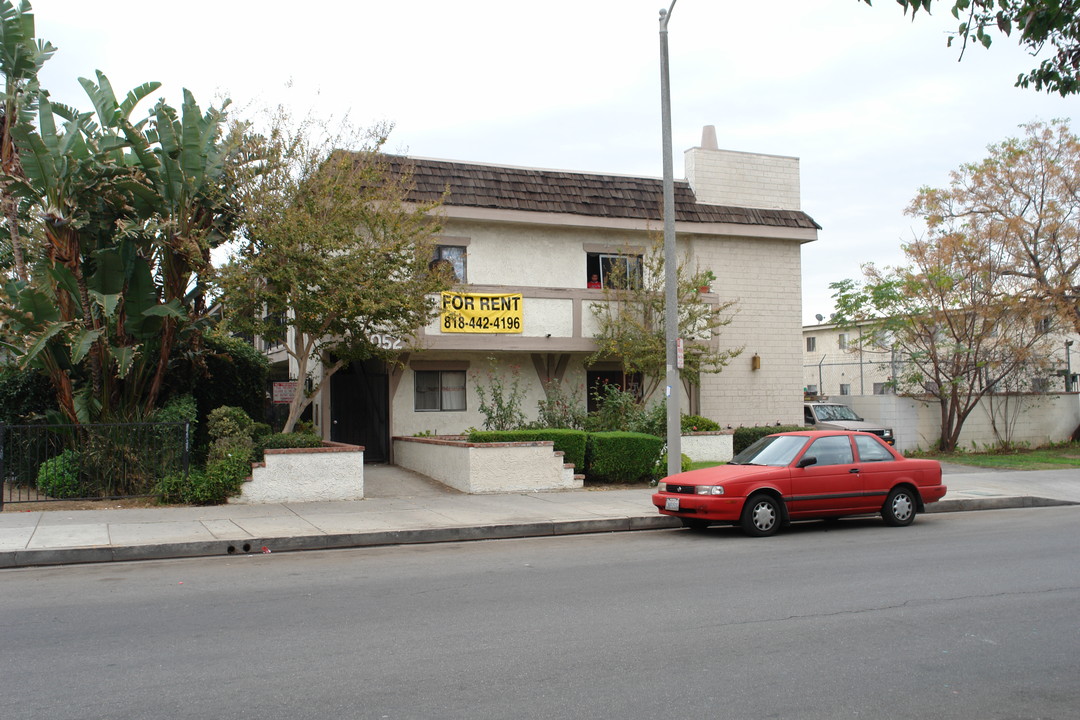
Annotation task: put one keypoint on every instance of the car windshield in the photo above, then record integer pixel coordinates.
(836, 412)
(775, 450)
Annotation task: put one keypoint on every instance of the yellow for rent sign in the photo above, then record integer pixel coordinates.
(481, 313)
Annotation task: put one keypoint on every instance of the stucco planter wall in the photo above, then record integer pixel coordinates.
(487, 467)
(708, 446)
(332, 472)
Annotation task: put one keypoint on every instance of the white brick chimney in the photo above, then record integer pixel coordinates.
(739, 179)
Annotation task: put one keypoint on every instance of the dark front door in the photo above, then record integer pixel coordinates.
(360, 408)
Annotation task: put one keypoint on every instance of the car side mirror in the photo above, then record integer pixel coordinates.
(807, 461)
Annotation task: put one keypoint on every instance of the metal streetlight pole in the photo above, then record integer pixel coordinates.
(671, 309)
(1068, 367)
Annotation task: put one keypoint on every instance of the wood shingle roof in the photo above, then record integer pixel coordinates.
(554, 191)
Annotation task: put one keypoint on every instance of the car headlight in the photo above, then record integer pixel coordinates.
(661, 487)
(887, 433)
(709, 490)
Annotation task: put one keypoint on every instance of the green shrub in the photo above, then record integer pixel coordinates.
(58, 477)
(560, 409)
(212, 486)
(744, 437)
(685, 464)
(290, 440)
(239, 447)
(223, 370)
(570, 442)
(618, 411)
(697, 423)
(230, 428)
(276, 441)
(180, 409)
(260, 430)
(622, 456)
(25, 395)
(228, 422)
(173, 488)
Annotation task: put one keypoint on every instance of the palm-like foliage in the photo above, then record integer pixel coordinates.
(127, 212)
(21, 57)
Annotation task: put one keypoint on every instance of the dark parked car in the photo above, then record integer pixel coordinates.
(802, 476)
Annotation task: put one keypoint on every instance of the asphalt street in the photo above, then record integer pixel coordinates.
(962, 615)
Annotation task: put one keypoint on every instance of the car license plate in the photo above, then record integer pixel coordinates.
(671, 504)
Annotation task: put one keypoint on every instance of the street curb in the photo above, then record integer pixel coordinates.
(995, 503)
(340, 541)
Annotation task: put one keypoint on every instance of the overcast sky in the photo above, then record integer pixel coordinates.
(875, 106)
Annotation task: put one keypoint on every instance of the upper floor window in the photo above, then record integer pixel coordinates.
(842, 341)
(611, 270)
(811, 344)
(452, 255)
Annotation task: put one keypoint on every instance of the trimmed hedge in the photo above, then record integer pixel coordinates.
(622, 456)
(746, 436)
(571, 443)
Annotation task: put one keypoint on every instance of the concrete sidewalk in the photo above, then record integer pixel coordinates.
(402, 508)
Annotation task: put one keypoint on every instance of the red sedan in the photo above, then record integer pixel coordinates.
(802, 476)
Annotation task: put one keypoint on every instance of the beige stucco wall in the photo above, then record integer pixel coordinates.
(306, 475)
(764, 277)
(508, 366)
(487, 468)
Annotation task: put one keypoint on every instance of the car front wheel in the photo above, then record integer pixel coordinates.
(761, 516)
(899, 508)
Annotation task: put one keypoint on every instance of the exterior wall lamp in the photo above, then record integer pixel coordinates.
(755, 362)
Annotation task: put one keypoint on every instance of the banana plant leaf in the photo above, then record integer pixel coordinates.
(82, 342)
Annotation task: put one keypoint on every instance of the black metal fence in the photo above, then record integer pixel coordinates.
(42, 463)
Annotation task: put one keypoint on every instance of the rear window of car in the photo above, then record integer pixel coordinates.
(870, 450)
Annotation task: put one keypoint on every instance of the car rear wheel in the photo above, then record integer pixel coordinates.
(899, 508)
(694, 523)
(761, 516)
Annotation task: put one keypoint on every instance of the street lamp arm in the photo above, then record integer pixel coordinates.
(665, 15)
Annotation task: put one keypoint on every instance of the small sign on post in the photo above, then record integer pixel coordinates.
(679, 353)
(283, 392)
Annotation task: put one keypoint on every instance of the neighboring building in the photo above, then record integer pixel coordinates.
(836, 364)
(547, 235)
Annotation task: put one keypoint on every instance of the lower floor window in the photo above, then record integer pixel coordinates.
(439, 390)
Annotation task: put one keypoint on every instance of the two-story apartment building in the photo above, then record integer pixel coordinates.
(531, 249)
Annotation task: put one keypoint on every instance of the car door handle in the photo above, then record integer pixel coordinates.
(853, 470)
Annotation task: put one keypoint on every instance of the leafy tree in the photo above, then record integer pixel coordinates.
(631, 322)
(21, 57)
(946, 315)
(127, 213)
(332, 253)
(1037, 23)
(1022, 203)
